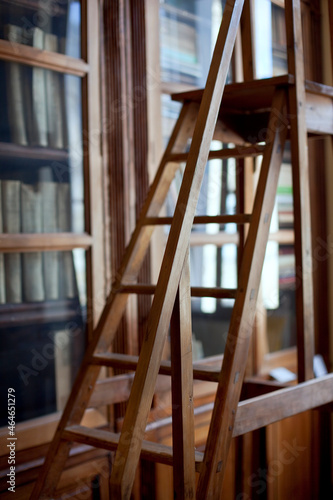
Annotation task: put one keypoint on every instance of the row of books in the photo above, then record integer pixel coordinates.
(35, 276)
(179, 53)
(36, 97)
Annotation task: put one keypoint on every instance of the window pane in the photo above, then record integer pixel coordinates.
(42, 328)
(41, 175)
(47, 25)
(188, 31)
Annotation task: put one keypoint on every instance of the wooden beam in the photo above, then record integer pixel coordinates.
(203, 219)
(109, 441)
(264, 410)
(128, 362)
(235, 152)
(196, 291)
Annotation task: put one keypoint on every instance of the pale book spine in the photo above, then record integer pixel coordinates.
(12, 224)
(66, 265)
(31, 218)
(49, 225)
(2, 263)
(39, 95)
(54, 99)
(63, 368)
(16, 108)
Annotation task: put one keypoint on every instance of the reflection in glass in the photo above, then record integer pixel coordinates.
(42, 184)
(188, 32)
(42, 334)
(47, 25)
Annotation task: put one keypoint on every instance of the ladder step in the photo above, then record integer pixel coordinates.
(196, 291)
(128, 362)
(202, 219)
(109, 441)
(238, 152)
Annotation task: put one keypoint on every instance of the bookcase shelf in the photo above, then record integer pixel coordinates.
(50, 311)
(11, 150)
(39, 242)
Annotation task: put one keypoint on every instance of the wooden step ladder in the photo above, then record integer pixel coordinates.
(280, 109)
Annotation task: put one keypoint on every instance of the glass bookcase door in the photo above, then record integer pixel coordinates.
(42, 329)
(52, 25)
(43, 287)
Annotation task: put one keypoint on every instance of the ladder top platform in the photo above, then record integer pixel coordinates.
(256, 96)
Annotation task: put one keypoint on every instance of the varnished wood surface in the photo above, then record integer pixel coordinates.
(39, 242)
(10, 51)
(264, 410)
(301, 194)
(110, 440)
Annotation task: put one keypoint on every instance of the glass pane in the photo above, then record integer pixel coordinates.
(270, 40)
(188, 31)
(41, 174)
(53, 25)
(42, 328)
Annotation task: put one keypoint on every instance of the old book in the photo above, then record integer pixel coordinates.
(2, 264)
(39, 95)
(48, 192)
(54, 97)
(63, 367)
(66, 265)
(11, 218)
(32, 262)
(15, 91)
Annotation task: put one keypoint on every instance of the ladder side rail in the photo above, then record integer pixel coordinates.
(241, 324)
(301, 193)
(139, 403)
(182, 390)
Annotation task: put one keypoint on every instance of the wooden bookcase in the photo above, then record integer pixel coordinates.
(50, 135)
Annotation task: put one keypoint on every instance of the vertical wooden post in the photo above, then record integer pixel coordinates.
(301, 190)
(248, 53)
(330, 10)
(182, 390)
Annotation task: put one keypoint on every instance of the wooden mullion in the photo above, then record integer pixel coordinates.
(301, 194)
(23, 54)
(182, 390)
(40, 242)
(128, 451)
(330, 12)
(264, 410)
(241, 324)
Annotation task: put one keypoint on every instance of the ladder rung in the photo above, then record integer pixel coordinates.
(107, 440)
(238, 152)
(202, 219)
(128, 362)
(196, 291)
